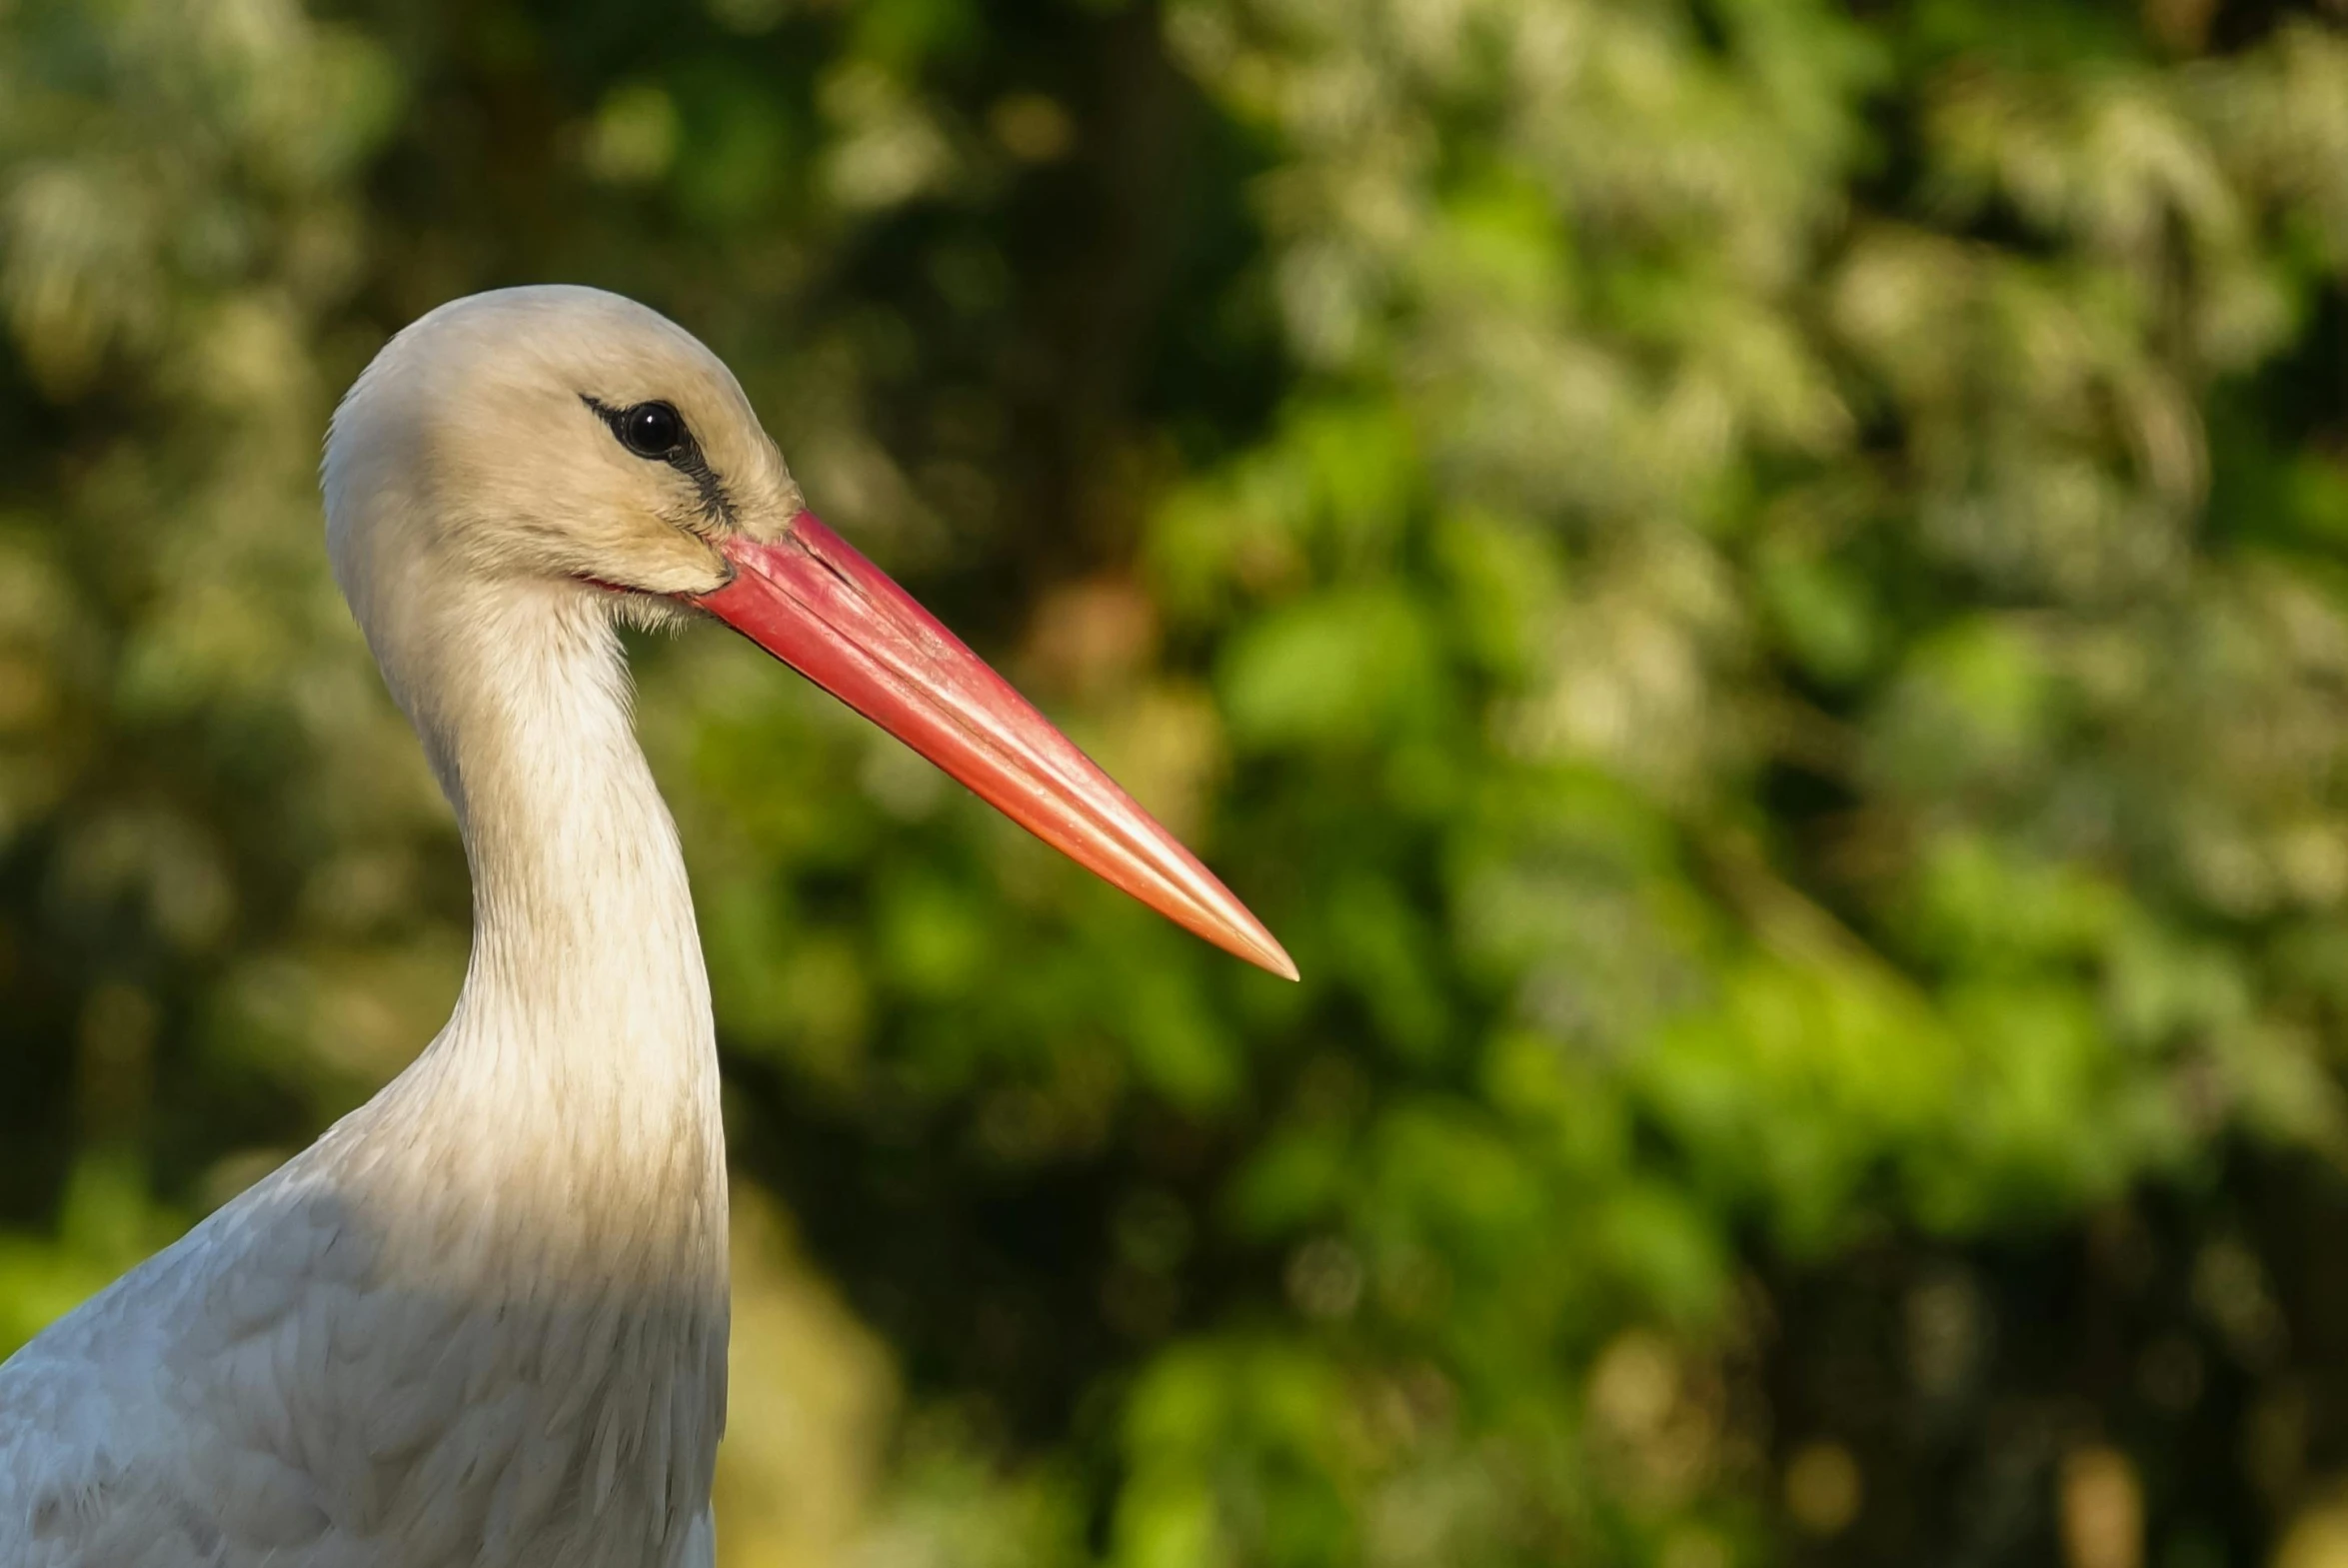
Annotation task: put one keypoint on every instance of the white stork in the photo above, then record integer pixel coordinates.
(481, 1322)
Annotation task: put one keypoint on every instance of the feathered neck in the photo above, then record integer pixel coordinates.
(580, 1063)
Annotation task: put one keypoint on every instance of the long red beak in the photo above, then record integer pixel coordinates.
(812, 602)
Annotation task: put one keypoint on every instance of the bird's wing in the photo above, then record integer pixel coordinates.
(701, 1545)
(103, 1458)
(259, 1394)
(249, 1397)
(79, 1482)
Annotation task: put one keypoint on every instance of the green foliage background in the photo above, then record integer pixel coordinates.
(1759, 589)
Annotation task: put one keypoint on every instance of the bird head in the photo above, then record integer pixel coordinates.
(557, 434)
(572, 447)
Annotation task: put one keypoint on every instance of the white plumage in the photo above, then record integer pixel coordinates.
(481, 1323)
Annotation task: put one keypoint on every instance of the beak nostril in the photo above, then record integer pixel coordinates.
(844, 580)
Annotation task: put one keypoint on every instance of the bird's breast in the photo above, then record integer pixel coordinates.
(483, 1356)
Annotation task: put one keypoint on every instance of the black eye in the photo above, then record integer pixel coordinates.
(650, 430)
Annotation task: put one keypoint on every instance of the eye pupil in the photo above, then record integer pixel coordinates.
(651, 430)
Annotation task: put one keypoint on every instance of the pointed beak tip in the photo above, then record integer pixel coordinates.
(1250, 942)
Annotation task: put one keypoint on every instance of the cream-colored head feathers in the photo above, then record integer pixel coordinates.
(479, 443)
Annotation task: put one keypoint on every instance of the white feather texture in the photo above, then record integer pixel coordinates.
(482, 1322)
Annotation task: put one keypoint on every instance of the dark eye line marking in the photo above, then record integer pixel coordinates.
(716, 508)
